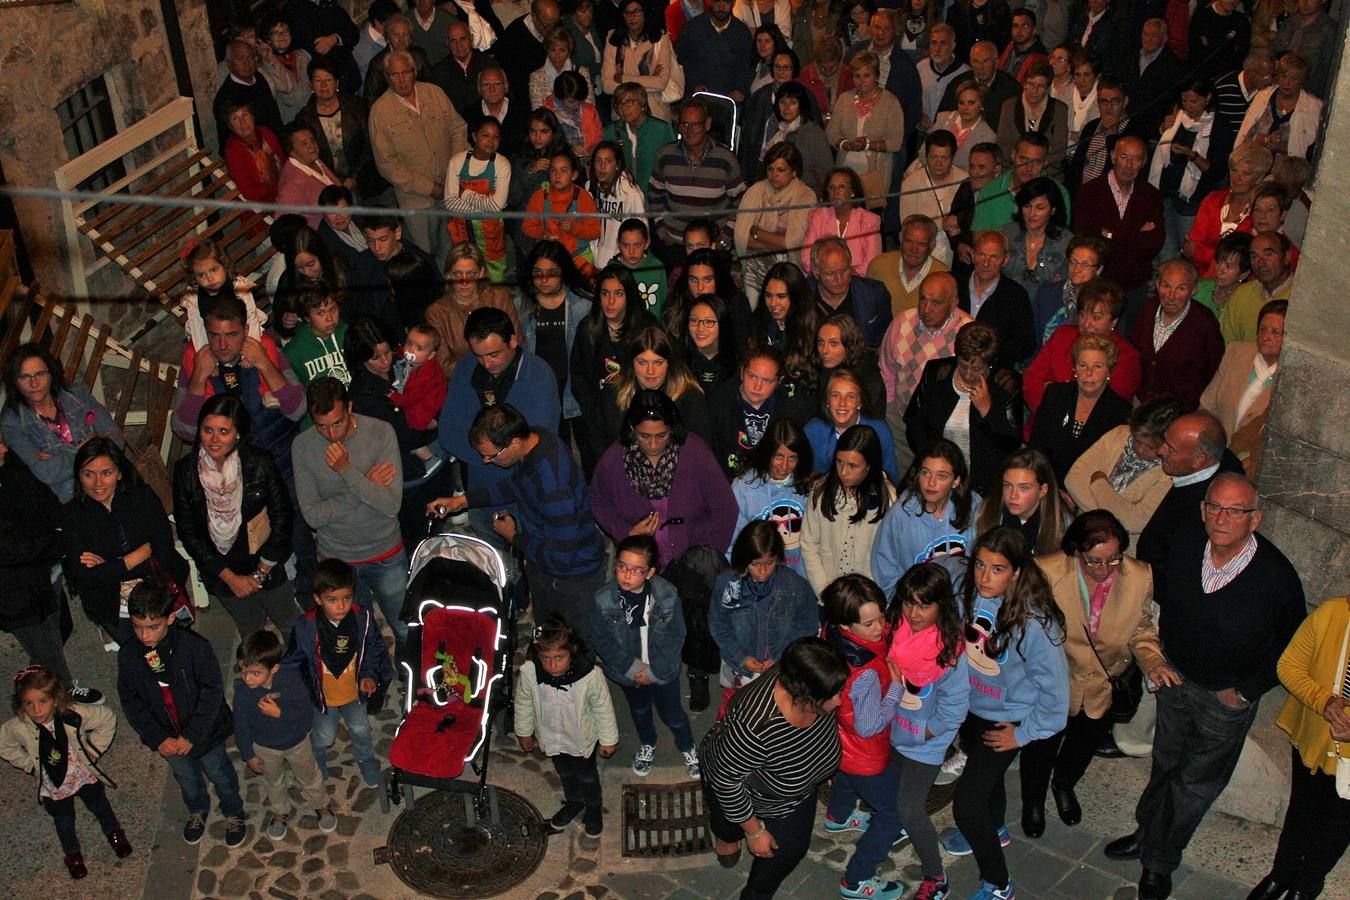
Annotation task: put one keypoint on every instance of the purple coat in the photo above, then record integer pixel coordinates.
(700, 495)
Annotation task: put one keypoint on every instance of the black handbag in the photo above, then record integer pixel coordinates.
(1127, 688)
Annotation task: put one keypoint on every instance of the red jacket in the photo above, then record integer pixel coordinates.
(423, 395)
(861, 755)
(1055, 363)
(242, 168)
(1026, 63)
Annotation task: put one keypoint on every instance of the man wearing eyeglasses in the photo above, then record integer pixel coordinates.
(1230, 601)
(543, 510)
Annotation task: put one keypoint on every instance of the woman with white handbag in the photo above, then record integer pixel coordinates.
(1315, 670)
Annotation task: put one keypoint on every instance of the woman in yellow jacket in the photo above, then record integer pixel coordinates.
(1315, 671)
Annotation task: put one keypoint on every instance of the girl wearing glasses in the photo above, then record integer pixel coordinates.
(637, 630)
(931, 687)
(1105, 598)
(1019, 692)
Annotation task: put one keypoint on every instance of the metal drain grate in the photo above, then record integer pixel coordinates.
(665, 820)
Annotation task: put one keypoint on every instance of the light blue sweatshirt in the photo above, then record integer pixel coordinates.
(939, 707)
(1027, 683)
(909, 536)
(774, 501)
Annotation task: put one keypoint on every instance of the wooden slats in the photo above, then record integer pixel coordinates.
(96, 358)
(63, 324)
(81, 340)
(44, 320)
(175, 237)
(128, 389)
(168, 175)
(178, 190)
(159, 405)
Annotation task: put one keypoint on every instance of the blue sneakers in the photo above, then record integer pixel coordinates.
(872, 889)
(957, 845)
(856, 821)
(988, 891)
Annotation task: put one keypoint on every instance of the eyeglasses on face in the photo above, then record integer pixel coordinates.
(625, 569)
(1093, 562)
(1233, 512)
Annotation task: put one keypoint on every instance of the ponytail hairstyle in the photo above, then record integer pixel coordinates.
(1052, 514)
(1028, 595)
(960, 501)
(874, 493)
(931, 583)
(44, 680)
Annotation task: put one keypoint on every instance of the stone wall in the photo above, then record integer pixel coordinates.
(49, 52)
(1305, 472)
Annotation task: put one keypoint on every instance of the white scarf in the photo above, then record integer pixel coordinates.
(1258, 382)
(1081, 108)
(781, 133)
(1190, 179)
(316, 174)
(224, 489)
(352, 237)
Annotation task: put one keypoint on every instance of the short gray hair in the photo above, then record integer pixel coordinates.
(826, 244)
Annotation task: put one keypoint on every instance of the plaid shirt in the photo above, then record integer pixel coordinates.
(907, 348)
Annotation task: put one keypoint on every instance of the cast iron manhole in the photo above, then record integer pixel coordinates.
(434, 850)
(664, 820)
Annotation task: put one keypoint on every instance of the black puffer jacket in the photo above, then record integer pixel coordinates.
(263, 490)
(30, 541)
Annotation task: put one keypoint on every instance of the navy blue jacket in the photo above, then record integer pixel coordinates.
(252, 727)
(195, 683)
(372, 659)
(868, 302)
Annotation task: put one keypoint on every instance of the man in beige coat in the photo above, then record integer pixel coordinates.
(414, 130)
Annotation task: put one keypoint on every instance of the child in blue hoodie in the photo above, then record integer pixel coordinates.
(931, 696)
(935, 518)
(774, 484)
(1019, 692)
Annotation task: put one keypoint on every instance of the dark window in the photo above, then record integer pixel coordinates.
(87, 121)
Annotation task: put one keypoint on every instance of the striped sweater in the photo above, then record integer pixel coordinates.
(681, 190)
(555, 529)
(758, 764)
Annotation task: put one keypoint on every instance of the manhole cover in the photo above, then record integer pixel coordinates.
(434, 850)
(664, 820)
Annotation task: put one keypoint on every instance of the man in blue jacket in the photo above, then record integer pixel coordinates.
(502, 372)
(717, 52)
(838, 289)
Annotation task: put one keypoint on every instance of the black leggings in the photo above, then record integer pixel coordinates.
(981, 802)
(792, 832)
(63, 814)
(1063, 757)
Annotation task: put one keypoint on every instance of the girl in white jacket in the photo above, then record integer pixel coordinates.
(60, 742)
(563, 706)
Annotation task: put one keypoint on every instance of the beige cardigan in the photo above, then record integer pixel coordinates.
(1134, 507)
(411, 149)
(792, 222)
(1222, 396)
(841, 547)
(885, 123)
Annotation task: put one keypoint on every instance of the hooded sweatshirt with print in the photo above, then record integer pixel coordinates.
(1027, 683)
(775, 501)
(909, 536)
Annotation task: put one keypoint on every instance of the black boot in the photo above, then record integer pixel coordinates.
(1268, 889)
(698, 691)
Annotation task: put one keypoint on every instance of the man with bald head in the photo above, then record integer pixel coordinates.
(520, 49)
(1179, 343)
(1126, 212)
(414, 131)
(995, 85)
(1152, 81)
(244, 86)
(1229, 602)
(457, 72)
(928, 331)
(398, 34)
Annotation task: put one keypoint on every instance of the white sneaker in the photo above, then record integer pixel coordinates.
(642, 760)
(691, 763)
(952, 768)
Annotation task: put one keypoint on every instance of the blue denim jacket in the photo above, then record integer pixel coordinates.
(743, 628)
(619, 646)
(577, 308)
(27, 437)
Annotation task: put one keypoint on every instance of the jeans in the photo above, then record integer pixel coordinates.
(581, 781)
(251, 613)
(1066, 755)
(306, 553)
(42, 642)
(666, 699)
(570, 596)
(193, 773)
(792, 832)
(981, 801)
(63, 815)
(880, 791)
(358, 729)
(386, 582)
(1178, 217)
(1316, 830)
(1195, 751)
(916, 782)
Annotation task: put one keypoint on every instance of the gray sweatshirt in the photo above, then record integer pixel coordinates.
(354, 518)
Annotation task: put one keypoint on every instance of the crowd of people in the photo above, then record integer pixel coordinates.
(936, 403)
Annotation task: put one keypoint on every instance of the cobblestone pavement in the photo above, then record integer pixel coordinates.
(1225, 858)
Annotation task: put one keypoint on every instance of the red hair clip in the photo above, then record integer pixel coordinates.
(25, 672)
(191, 245)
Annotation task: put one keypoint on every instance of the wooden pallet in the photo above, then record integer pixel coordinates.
(147, 242)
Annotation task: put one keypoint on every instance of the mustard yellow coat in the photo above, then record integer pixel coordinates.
(1309, 668)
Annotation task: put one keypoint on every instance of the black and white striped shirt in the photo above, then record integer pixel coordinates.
(757, 763)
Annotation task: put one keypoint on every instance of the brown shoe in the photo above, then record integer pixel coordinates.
(75, 865)
(118, 841)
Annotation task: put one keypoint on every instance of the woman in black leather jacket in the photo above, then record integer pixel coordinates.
(234, 518)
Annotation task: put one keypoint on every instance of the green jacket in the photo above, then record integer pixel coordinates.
(995, 204)
(652, 135)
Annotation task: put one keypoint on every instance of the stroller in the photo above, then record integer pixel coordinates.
(461, 636)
